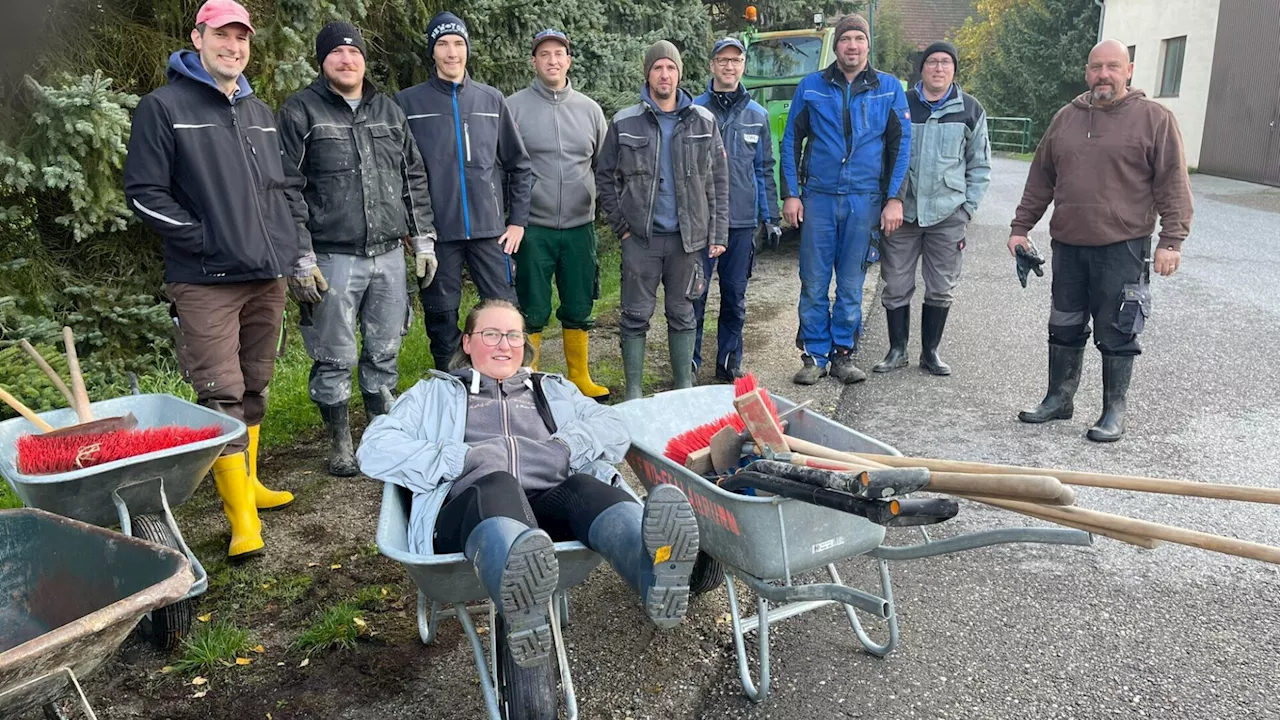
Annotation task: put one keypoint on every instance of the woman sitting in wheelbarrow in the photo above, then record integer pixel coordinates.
(503, 461)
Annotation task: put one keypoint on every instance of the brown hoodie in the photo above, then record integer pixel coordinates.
(1109, 170)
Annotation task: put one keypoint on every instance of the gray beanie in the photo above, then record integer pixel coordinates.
(660, 50)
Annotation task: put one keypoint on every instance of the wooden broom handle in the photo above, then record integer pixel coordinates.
(1004, 503)
(24, 411)
(77, 380)
(1219, 491)
(49, 372)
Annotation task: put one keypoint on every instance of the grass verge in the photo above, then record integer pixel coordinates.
(337, 626)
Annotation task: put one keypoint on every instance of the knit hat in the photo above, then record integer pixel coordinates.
(335, 35)
(663, 49)
(852, 21)
(941, 46)
(445, 23)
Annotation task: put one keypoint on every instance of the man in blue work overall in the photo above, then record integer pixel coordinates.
(845, 150)
(472, 150)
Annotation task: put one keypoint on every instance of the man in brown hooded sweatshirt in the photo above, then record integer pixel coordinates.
(1111, 161)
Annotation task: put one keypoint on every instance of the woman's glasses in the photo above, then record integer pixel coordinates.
(492, 338)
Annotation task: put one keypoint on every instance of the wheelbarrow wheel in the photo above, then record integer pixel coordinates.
(524, 693)
(54, 711)
(165, 627)
(707, 574)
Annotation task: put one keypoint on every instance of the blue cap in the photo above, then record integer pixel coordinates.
(550, 34)
(728, 42)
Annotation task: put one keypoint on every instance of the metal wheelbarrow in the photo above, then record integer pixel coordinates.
(73, 592)
(448, 580)
(139, 493)
(766, 541)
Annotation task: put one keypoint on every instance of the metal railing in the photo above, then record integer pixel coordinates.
(1010, 134)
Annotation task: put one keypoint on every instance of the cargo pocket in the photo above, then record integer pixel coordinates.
(697, 281)
(1135, 308)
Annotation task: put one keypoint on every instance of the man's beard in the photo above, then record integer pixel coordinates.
(1105, 92)
(849, 67)
(659, 95)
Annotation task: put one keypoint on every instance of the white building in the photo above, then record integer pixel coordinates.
(1216, 65)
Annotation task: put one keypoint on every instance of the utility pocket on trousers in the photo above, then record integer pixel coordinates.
(1135, 308)
(180, 348)
(697, 281)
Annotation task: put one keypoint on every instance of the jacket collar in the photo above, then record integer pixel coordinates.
(552, 96)
(447, 87)
(868, 79)
(740, 97)
(186, 64)
(684, 101)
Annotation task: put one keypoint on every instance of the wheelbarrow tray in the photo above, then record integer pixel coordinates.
(72, 593)
(85, 494)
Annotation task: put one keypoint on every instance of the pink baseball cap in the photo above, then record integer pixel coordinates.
(218, 13)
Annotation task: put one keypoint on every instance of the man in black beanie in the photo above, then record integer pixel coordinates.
(473, 152)
(366, 191)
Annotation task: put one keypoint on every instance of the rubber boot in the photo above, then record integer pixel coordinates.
(680, 345)
(1116, 373)
(633, 366)
(1064, 378)
(653, 547)
(535, 342)
(517, 566)
(342, 454)
(899, 321)
(933, 319)
(579, 373)
(231, 476)
(263, 498)
(377, 403)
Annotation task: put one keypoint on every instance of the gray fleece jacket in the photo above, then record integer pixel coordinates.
(563, 131)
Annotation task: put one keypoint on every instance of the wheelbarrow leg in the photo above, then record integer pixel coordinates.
(482, 667)
(560, 600)
(756, 694)
(886, 587)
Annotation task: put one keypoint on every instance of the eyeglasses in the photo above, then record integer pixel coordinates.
(493, 338)
(943, 63)
(729, 61)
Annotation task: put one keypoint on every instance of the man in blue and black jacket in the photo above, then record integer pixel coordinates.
(479, 177)
(844, 159)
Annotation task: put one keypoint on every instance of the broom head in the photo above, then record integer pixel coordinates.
(41, 455)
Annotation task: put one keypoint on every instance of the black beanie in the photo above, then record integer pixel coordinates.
(445, 23)
(335, 35)
(941, 46)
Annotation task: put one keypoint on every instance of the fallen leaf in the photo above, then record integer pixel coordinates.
(360, 623)
(268, 716)
(482, 630)
(335, 566)
(197, 680)
(279, 664)
(205, 618)
(266, 586)
(166, 669)
(385, 592)
(313, 564)
(258, 649)
(305, 662)
(200, 694)
(243, 661)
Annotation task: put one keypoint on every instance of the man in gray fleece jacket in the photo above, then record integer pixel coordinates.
(563, 131)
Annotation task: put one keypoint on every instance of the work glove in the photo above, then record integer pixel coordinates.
(307, 282)
(772, 235)
(1029, 261)
(424, 259)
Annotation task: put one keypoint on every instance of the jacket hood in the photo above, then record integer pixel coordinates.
(1084, 100)
(186, 64)
(476, 380)
(683, 100)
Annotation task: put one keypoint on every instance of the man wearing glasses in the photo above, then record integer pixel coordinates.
(753, 200)
(949, 173)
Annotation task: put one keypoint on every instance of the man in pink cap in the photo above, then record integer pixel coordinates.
(204, 171)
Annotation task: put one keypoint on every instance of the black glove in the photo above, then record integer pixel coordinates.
(1029, 261)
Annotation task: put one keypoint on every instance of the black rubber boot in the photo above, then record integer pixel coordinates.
(378, 403)
(1064, 378)
(932, 321)
(899, 333)
(342, 454)
(1116, 373)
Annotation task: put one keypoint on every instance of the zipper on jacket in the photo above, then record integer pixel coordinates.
(657, 172)
(555, 120)
(257, 190)
(466, 137)
(462, 170)
(506, 430)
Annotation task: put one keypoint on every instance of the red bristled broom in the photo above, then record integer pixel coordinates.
(39, 455)
(699, 438)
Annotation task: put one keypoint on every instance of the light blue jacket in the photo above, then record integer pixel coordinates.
(419, 444)
(950, 159)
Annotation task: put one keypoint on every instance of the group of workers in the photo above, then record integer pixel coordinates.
(329, 197)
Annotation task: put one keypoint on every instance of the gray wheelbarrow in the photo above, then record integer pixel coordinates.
(139, 493)
(446, 583)
(73, 592)
(766, 541)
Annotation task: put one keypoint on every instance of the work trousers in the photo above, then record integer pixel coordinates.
(645, 264)
(227, 337)
(734, 268)
(1088, 281)
(565, 511)
(491, 270)
(938, 248)
(371, 292)
(568, 256)
(835, 238)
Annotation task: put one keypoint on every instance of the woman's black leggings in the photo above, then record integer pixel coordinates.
(565, 511)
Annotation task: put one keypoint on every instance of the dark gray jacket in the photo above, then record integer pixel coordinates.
(366, 184)
(473, 152)
(627, 175)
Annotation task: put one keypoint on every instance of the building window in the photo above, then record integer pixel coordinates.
(1171, 74)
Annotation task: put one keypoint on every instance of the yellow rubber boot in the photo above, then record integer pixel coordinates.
(263, 498)
(535, 342)
(575, 356)
(231, 475)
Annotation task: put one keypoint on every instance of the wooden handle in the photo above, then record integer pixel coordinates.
(24, 411)
(81, 404)
(1062, 500)
(1158, 531)
(1139, 540)
(1219, 491)
(48, 371)
(812, 448)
